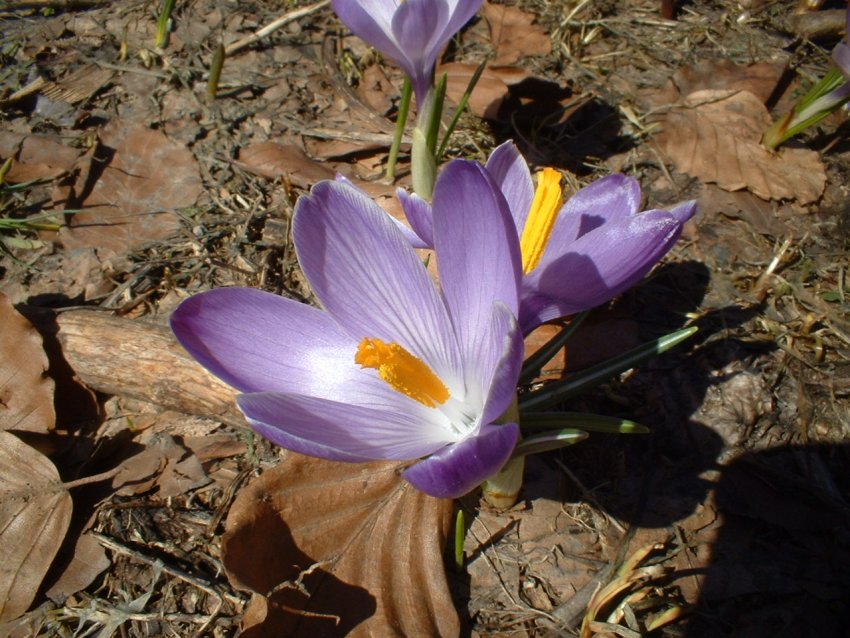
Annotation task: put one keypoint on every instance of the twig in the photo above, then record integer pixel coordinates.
(201, 584)
(283, 20)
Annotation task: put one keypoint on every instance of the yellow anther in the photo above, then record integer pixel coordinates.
(404, 372)
(541, 218)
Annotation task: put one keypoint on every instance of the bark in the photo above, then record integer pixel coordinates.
(143, 361)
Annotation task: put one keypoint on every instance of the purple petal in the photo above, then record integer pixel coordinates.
(418, 25)
(342, 431)
(477, 252)
(458, 469)
(419, 215)
(369, 278)
(510, 172)
(603, 263)
(841, 57)
(371, 21)
(612, 197)
(501, 364)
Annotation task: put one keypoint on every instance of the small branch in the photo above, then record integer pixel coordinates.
(283, 20)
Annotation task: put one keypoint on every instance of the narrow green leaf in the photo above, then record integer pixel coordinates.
(587, 379)
(534, 364)
(580, 421)
(549, 441)
(464, 100)
(401, 121)
(460, 527)
(162, 24)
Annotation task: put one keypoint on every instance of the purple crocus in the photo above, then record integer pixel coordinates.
(575, 255)
(409, 32)
(391, 368)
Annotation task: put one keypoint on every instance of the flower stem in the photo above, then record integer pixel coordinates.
(401, 120)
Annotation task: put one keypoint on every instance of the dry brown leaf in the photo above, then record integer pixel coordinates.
(36, 156)
(88, 561)
(145, 177)
(26, 393)
(273, 160)
(512, 33)
(759, 78)
(339, 549)
(491, 90)
(34, 515)
(715, 136)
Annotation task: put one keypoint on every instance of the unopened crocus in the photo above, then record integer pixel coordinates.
(575, 255)
(828, 95)
(391, 368)
(409, 32)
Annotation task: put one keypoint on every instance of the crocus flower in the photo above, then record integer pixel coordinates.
(825, 97)
(575, 255)
(409, 32)
(390, 368)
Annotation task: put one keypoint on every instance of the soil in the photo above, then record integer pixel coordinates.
(729, 519)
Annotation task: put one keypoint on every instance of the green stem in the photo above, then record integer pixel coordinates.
(401, 120)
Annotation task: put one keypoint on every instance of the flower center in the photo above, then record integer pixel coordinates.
(541, 218)
(403, 372)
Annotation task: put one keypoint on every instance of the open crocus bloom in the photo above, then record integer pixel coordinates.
(392, 368)
(577, 255)
(409, 32)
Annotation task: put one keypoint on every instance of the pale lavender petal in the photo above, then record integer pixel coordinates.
(417, 24)
(458, 469)
(501, 364)
(357, 431)
(412, 237)
(419, 216)
(509, 170)
(602, 264)
(478, 252)
(369, 279)
(612, 197)
(371, 21)
(841, 57)
(461, 12)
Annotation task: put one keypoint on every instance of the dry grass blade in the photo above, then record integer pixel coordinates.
(336, 549)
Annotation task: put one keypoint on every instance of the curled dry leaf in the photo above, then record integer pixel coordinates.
(26, 394)
(715, 136)
(339, 549)
(34, 515)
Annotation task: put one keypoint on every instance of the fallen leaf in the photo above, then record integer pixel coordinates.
(759, 78)
(513, 34)
(26, 393)
(36, 157)
(145, 177)
(34, 515)
(715, 136)
(339, 549)
(492, 89)
(273, 160)
(88, 561)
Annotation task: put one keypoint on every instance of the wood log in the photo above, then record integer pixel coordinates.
(143, 361)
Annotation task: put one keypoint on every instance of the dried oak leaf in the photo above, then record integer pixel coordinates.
(26, 393)
(145, 177)
(715, 136)
(273, 160)
(339, 549)
(34, 515)
(512, 33)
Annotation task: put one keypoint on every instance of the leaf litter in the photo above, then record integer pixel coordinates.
(760, 402)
